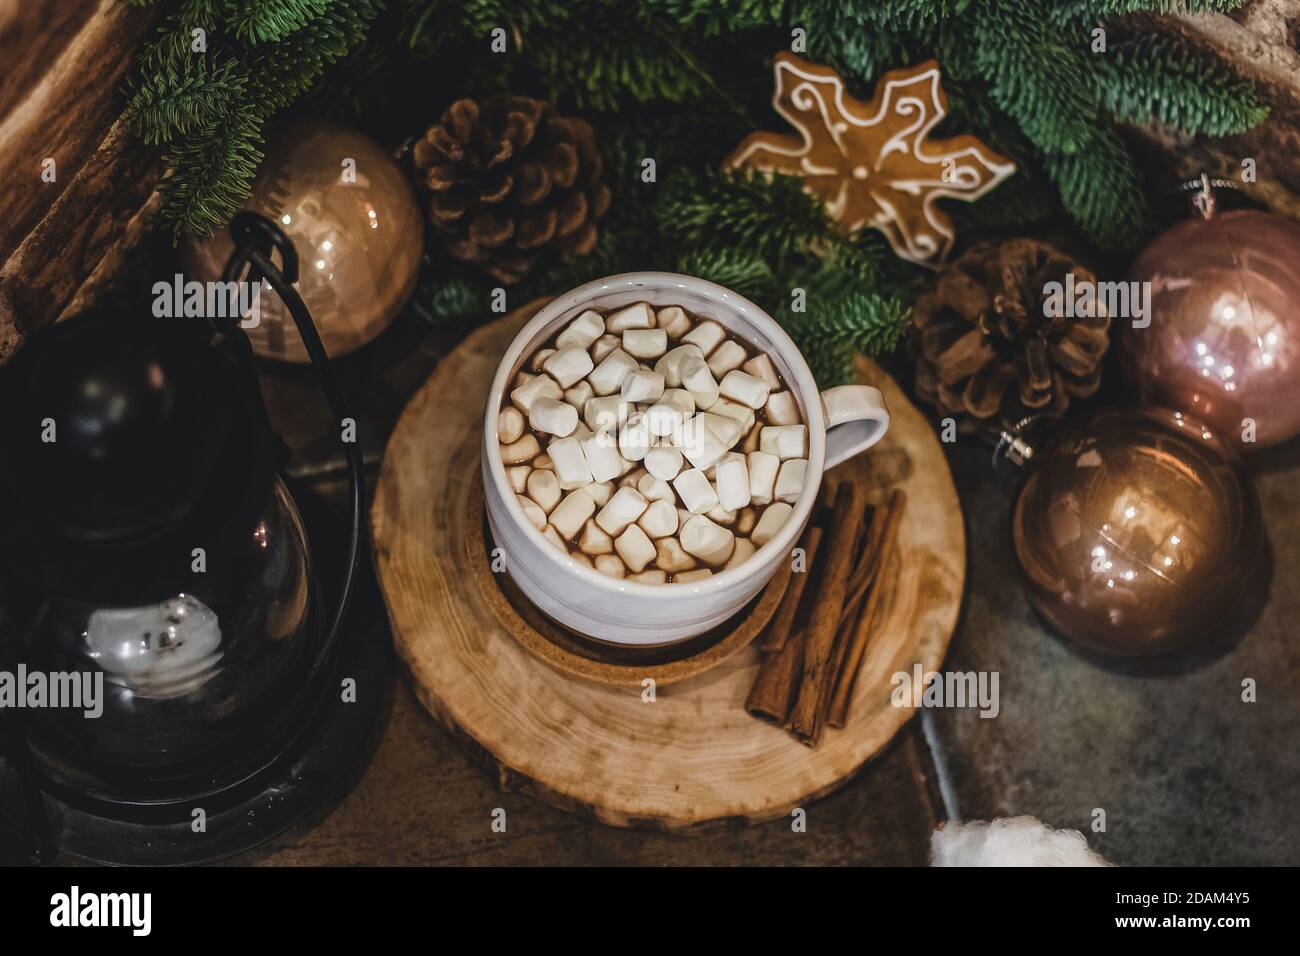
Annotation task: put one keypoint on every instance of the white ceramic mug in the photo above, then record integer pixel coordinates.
(841, 422)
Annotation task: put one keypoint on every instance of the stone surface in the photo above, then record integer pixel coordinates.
(1186, 772)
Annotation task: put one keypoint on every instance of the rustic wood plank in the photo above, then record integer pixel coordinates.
(61, 98)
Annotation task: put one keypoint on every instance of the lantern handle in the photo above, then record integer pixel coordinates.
(255, 238)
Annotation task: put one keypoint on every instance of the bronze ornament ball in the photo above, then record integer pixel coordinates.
(354, 218)
(1136, 531)
(1223, 342)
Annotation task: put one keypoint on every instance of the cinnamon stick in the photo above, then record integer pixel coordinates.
(806, 717)
(778, 678)
(847, 675)
(783, 620)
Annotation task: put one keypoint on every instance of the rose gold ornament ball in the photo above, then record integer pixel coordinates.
(1136, 531)
(1224, 338)
(354, 219)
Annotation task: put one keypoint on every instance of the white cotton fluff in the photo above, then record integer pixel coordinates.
(1014, 841)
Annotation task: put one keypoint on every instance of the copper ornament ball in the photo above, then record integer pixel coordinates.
(1224, 338)
(1136, 531)
(353, 216)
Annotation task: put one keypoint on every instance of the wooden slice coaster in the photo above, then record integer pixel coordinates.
(689, 755)
(614, 665)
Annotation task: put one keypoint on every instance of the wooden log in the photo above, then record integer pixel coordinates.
(61, 100)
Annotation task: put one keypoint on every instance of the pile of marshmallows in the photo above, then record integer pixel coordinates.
(645, 482)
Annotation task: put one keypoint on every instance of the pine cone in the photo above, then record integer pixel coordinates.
(985, 350)
(510, 179)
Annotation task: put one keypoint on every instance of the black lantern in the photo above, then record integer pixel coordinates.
(151, 549)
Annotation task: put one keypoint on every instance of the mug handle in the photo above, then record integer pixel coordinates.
(856, 418)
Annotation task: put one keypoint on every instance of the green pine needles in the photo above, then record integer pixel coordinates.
(1048, 82)
(210, 79)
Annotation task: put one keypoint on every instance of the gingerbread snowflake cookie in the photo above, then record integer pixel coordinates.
(873, 164)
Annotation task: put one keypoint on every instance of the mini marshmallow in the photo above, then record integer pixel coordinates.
(727, 357)
(727, 429)
(580, 558)
(745, 521)
(579, 395)
(600, 492)
(521, 450)
(670, 366)
(659, 520)
(594, 540)
(601, 451)
(744, 550)
(762, 476)
(735, 411)
(510, 425)
(679, 399)
(553, 536)
(518, 477)
(631, 477)
(663, 418)
(721, 515)
(760, 366)
(636, 316)
(784, 441)
(570, 463)
(645, 343)
(601, 348)
(535, 515)
(699, 381)
(623, 507)
(707, 541)
(538, 360)
(634, 438)
(770, 523)
(674, 321)
(610, 565)
(542, 386)
(653, 576)
(607, 378)
(522, 378)
(707, 335)
(582, 331)
(695, 491)
(569, 365)
(643, 385)
(544, 489)
(544, 461)
(789, 481)
(670, 556)
(572, 513)
(732, 477)
(744, 388)
(605, 413)
(699, 443)
(553, 417)
(654, 489)
(750, 444)
(664, 461)
(634, 548)
(699, 574)
(781, 409)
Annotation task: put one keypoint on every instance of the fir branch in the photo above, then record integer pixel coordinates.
(212, 170)
(1036, 73)
(776, 218)
(175, 101)
(1100, 188)
(1162, 80)
(264, 21)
